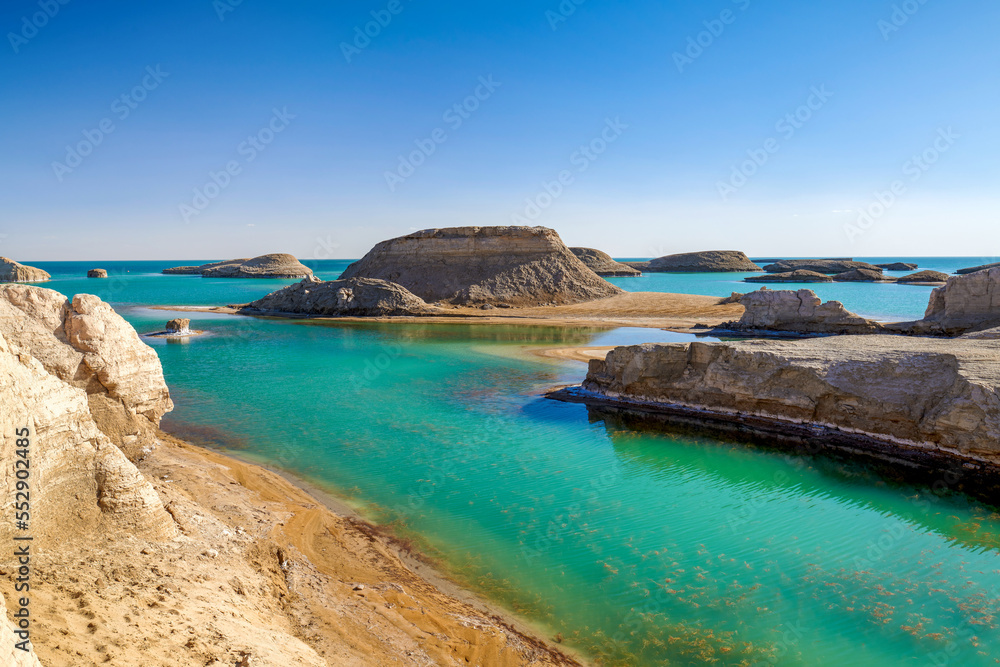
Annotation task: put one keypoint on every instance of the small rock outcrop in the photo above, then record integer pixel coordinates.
(354, 297)
(800, 312)
(474, 266)
(970, 302)
(711, 261)
(909, 392)
(277, 265)
(862, 276)
(80, 380)
(180, 326)
(15, 272)
(603, 264)
(898, 266)
(97, 273)
(826, 266)
(976, 269)
(924, 278)
(641, 267)
(797, 276)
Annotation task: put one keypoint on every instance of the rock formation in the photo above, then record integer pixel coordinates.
(798, 312)
(711, 261)
(602, 263)
(80, 380)
(180, 326)
(862, 276)
(827, 266)
(911, 392)
(97, 273)
(924, 278)
(898, 266)
(86, 344)
(969, 302)
(516, 266)
(277, 265)
(976, 269)
(797, 276)
(15, 272)
(355, 297)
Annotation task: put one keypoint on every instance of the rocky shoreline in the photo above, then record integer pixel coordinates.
(149, 550)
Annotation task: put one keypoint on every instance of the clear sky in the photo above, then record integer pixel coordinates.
(642, 128)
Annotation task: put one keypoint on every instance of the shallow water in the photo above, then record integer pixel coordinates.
(640, 548)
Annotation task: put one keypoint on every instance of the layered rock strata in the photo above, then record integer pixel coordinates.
(827, 266)
(516, 266)
(912, 393)
(15, 272)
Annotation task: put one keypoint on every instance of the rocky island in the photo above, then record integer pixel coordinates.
(796, 276)
(97, 273)
(484, 266)
(278, 265)
(603, 264)
(15, 272)
(355, 297)
(711, 261)
(826, 266)
(801, 312)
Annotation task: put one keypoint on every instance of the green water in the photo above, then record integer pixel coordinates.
(639, 548)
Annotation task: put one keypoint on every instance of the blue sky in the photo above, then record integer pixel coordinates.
(301, 136)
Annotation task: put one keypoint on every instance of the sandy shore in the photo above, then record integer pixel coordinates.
(264, 573)
(677, 312)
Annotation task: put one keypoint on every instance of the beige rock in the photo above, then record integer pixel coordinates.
(603, 264)
(917, 392)
(15, 272)
(862, 276)
(517, 266)
(924, 278)
(357, 297)
(88, 345)
(97, 273)
(277, 265)
(180, 325)
(826, 266)
(710, 261)
(799, 312)
(969, 302)
(10, 655)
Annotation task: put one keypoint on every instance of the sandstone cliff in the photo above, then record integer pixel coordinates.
(603, 264)
(15, 272)
(516, 266)
(277, 265)
(798, 312)
(357, 297)
(710, 261)
(966, 303)
(916, 393)
(87, 345)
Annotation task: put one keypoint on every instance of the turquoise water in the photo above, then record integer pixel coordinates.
(639, 548)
